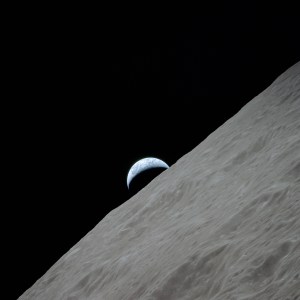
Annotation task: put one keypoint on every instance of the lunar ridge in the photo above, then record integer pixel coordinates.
(222, 223)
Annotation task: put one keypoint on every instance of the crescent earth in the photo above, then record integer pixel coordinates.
(143, 165)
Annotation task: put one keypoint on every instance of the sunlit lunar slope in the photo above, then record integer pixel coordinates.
(222, 223)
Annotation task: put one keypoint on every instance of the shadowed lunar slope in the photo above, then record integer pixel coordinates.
(221, 223)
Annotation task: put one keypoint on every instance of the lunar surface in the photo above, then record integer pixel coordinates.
(221, 223)
(143, 165)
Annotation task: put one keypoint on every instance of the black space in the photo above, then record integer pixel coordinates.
(100, 89)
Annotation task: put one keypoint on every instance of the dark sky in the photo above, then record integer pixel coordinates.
(110, 88)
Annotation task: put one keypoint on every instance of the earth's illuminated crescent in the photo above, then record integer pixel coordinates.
(143, 165)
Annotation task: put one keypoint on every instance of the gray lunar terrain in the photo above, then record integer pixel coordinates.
(222, 223)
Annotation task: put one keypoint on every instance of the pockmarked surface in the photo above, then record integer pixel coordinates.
(221, 223)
